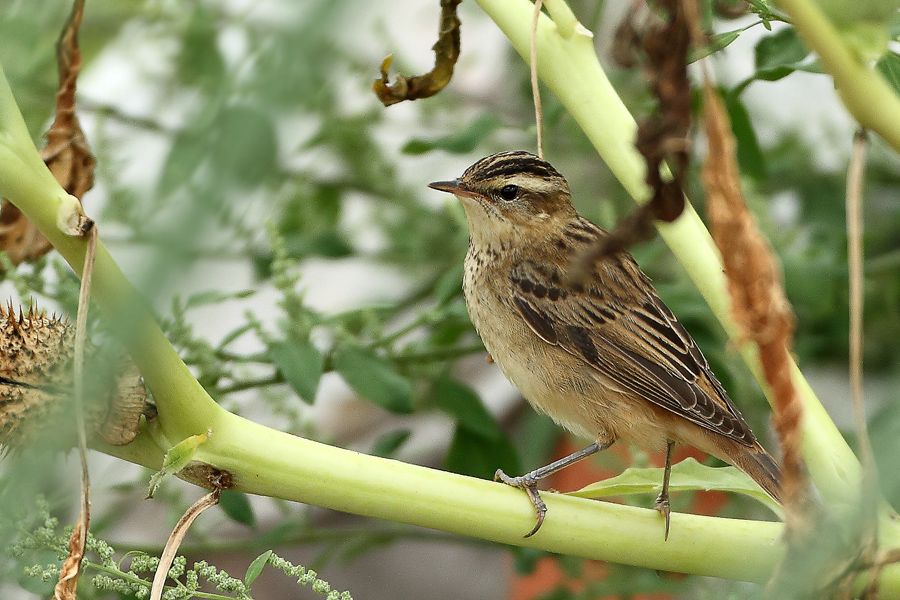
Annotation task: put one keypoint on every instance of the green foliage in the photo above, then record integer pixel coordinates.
(687, 475)
(374, 378)
(108, 574)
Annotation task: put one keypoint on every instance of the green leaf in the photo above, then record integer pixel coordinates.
(478, 456)
(779, 55)
(889, 67)
(460, 401)
(300, 364)
(716, 43)
(177, 457)
(688, 475)
(246, 150)
(390, 442)
(256, 567)
(459, 142)
(186, 154)
(216, 297)
(449, 285)
(237, 506)
(374, 378)
(199, 61)
(750, 156)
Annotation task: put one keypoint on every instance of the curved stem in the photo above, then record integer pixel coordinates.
(864, 92)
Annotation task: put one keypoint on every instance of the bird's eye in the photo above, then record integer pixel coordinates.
(508, 192)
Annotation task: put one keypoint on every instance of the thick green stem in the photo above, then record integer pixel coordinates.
(273, 463)
(864, 92)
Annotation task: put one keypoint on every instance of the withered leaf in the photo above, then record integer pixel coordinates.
(758, 301)
(67, 585)
(66, 153)
(663, 137)
(446, 52)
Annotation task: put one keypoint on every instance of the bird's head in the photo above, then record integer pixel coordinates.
(510, 193)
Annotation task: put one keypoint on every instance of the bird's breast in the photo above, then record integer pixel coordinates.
(552, 380)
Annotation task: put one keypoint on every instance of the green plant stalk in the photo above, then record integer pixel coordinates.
(268, 462)
(569, 67)
(865, 94)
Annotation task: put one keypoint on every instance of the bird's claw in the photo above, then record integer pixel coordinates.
(529, 484)
(662, 505)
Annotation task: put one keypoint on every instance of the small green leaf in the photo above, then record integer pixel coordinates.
(461, 401)
(300, 364)
(459, 142)
(889, 67)
(259, 563)
(215, 297)
(237, 506)
(716, 43)
(478, 456)
(688, 475)
(750, 156)
(374, 378)
(245, 153)
(779, 54)
(390, 442)
(176, 458)
(187, 152)
(449, 285)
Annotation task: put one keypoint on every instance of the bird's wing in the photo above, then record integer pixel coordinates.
(616, 323)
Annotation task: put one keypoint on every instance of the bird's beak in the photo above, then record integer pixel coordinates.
(455, 187)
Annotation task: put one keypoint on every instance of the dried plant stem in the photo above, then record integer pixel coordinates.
(855, 264)
(175, 538)
(868, 505)
(535, 88)
(67, 585)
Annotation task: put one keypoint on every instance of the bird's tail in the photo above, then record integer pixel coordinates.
(757, 463)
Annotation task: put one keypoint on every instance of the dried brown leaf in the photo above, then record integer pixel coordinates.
(67, 586)
(662, 139)
(446, 52)
(66, 153)
(758, 303)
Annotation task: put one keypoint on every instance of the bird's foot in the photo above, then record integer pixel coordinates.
(662, 505)
(528, 483)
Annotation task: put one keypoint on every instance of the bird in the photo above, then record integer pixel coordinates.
(602, 355)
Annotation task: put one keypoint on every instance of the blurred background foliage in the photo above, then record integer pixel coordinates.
(244, 164)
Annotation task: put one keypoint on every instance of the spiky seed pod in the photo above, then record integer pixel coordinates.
(37, 391)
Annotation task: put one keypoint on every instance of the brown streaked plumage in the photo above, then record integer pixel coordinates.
(605, 358)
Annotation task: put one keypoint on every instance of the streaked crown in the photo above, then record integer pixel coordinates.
(515, 167)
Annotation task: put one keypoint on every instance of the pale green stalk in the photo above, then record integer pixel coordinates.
(864, 92)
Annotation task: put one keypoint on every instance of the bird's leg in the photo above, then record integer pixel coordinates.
(662, 501)
(529, 481)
